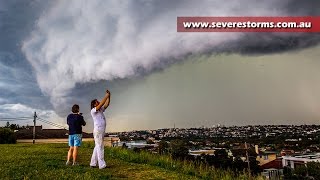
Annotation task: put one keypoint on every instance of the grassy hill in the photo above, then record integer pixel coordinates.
(47, 161)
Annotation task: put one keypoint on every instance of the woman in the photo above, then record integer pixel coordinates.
(99, 128)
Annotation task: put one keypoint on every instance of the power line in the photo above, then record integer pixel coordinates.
(51, 123)
(7, 119)
(15, 118)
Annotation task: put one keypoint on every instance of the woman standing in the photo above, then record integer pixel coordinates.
(99, 128)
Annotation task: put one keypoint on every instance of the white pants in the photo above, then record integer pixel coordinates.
(98, 151)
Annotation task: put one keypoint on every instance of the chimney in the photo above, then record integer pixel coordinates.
(256, 147)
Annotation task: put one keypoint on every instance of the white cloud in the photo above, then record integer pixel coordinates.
(86, 41)
(21, 110)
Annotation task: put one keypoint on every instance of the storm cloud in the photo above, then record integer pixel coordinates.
(57, 53)
(87, 41)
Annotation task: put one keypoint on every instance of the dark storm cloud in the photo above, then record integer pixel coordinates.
(305, 8)
(263, 43)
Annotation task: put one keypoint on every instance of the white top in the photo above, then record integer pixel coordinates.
(99, 120)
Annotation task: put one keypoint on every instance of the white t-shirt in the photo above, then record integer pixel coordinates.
(99, 120)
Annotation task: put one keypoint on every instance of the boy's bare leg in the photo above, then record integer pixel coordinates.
(75, 153)
(70, 153)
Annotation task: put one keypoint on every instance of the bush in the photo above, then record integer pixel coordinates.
(314, 169)
(178, 149)
(7, 136)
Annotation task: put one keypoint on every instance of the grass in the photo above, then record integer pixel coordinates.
(47, 161)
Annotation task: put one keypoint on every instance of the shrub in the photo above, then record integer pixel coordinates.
(314, 170)
(7, 136)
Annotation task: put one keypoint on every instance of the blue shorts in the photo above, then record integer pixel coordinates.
(75, 139)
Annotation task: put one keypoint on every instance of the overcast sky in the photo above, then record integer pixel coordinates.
(57, 53)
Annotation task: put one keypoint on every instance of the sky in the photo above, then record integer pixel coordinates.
(54, 54)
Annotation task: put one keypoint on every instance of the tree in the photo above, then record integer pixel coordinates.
(310, 171)
(7, 125)
(254, 165)
(124, 138)
(313, 169)
(163, 147)
(287, 172)
(238, 164)
(301, 172)
(149, 141)
(7, 136)
(178, 149)
(220, 159)
(124, 146)
(14, 126)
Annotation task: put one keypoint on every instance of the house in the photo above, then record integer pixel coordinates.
(272, 173)
(265, 157)
(201, 151)
(287, 152)
(242, 153)
(274, 164)
(136, 145)
(299, 160)
(111, 141)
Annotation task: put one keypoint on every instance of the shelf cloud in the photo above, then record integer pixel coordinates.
(76, 42)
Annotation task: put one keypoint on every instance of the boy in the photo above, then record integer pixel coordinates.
(75, 122)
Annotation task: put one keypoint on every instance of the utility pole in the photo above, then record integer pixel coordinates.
(34, 127)
(249, 171)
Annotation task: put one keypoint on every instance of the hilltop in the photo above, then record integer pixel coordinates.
(47, 161)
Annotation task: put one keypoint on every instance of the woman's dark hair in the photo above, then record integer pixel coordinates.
(75, 108)
(93, 102)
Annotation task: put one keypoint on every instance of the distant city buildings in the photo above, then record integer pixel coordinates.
(279, 146)
(291, 132)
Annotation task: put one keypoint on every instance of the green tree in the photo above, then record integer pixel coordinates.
(254, 165)
(220, 159)
(310, 171)
(7, 125)
(301, 172)
(287, 172)
(238, 164)
(178, 149)
(149, 141)
(163, 147)
(7, 136)
(313, 169)
(14, 126)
